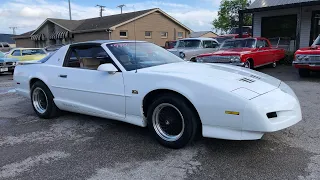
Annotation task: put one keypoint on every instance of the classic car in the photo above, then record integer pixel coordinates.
(189, 48)
(27, 54)
(246, 52)
(170, 44)
(176, 99)
(308, 59)
(7, 64)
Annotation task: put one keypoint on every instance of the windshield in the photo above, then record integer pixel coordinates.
(316, 42)
(32, 52)
(240, 43)
(192, 43)
(245, 30)
(222, 39)
(139, 55)
(1, 54)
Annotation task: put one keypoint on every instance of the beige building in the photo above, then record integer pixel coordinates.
(204, 34)
(153, 25)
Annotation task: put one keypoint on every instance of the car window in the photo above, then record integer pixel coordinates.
(261, 44)
(266, 44)
(87, 57)
(207, 44)
(5, 45)
(32, 52)
(189, 43)
(238, 43)
(16, 53)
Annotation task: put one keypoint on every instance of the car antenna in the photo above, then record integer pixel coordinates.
(135, 39)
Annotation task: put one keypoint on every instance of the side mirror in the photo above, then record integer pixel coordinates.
(110, 68)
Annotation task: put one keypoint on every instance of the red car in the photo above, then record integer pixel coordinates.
(308, 59)
(246, 52)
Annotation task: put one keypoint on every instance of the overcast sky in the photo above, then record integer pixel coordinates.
(29, 14)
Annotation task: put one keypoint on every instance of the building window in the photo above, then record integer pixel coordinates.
(123, 34)
(148, 34)
(180, 34)
(164, 34)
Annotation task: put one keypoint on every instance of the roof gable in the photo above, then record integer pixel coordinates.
(200, 33)
(269, 3)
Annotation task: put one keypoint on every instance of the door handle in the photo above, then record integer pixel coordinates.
(63, 76)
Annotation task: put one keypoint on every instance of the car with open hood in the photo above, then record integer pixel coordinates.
(188, 49)
(308, 59)
(143, 84)
(247, 52)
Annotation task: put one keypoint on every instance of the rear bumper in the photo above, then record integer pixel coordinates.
(255, 121)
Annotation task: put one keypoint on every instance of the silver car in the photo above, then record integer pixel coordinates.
(189, 48)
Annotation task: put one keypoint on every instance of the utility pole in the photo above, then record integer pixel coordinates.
(101, 9)
(121, 6)
(70, 10)
(13, 30)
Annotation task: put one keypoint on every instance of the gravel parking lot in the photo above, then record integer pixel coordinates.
(76, 146)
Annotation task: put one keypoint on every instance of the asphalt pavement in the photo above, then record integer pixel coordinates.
(75, 146)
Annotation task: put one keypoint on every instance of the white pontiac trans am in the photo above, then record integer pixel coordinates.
(145, 85)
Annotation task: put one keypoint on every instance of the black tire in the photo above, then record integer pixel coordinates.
(304, 72)
(248, 64)
(190, 119)
(51, 109)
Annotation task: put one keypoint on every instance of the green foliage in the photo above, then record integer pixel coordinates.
(228, 15)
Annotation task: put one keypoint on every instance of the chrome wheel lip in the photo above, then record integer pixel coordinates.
(156, 124)
(247, 64)
(274, 64)
(36, 100)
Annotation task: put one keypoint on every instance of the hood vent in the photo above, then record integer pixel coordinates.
(247, 80)
(255, 77)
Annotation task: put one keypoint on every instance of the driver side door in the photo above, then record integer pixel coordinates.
(83, 89)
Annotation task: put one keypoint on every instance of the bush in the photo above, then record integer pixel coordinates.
(288, 59)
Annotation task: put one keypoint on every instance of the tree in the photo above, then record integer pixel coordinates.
(228, 15)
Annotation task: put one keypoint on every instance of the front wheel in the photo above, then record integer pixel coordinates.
(248, 64)
(42, 101)
(171, 120)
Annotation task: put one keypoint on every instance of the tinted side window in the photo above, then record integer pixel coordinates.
(5, 45)
(266, 44)
(16, 53)
(207, 44)
(87, 57)
(260, 44)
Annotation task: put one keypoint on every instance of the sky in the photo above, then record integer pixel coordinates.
(27, 15)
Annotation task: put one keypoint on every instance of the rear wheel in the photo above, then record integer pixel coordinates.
(304, 72)
(42, 101)
(173, 123)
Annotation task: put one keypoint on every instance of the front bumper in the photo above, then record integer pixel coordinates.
(7, 68)
(254, 119)
(315, 66)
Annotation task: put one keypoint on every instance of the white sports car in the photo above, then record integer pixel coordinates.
(145, 85)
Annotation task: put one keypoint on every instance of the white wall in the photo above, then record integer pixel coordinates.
(305, 23)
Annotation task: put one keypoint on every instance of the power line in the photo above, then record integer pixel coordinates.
(121, 6)
(101, 9)
(13, 29)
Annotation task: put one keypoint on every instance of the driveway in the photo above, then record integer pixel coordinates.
(76, 146)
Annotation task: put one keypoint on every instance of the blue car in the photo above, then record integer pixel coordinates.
(7, 64)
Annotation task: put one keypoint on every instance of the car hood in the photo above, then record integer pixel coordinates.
(309, 50)
(236, 51)
(8, 60)
(222, 76)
